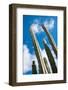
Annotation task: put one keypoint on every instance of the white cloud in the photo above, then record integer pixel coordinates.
(28, 57)
(49, 24)
(36, 28)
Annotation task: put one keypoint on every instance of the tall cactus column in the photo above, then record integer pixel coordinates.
(50, 57)
(41, 64)
(50, 39)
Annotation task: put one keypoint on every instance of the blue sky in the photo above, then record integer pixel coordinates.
(33, 21)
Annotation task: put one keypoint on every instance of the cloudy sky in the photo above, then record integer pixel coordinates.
(33, 22)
